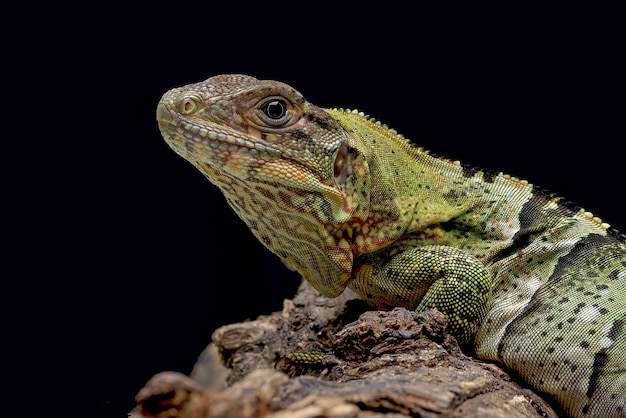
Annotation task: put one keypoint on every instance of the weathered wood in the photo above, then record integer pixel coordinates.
(378, 364)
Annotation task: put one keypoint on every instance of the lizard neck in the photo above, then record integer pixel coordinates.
(417, 197)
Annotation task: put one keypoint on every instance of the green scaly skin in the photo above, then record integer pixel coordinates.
(535, 284)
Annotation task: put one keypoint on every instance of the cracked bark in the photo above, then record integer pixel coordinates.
(378, 364)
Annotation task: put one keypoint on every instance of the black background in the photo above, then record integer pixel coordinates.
(148, 259)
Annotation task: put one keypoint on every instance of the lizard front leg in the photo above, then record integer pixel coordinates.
(430, 277)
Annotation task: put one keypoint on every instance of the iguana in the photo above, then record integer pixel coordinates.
(535, 283)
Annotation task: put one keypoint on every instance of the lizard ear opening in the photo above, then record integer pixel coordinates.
(342, 164)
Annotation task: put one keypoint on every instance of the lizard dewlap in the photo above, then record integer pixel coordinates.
(535, 284)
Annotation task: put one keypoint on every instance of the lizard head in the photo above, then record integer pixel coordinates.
(253, 130)
(281, 162)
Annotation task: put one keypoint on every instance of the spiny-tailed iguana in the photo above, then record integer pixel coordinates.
(537, 284)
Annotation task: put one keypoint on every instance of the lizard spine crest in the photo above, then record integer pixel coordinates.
(475, 169)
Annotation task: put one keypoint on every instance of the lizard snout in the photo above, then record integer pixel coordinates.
(163, 116)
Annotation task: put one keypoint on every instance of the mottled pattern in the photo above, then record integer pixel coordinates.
(536, 284)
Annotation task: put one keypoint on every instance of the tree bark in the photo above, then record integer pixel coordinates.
(374, 364)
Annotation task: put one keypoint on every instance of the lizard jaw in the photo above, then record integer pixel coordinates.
(175, 130)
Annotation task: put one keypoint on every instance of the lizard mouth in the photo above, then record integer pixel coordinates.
(173, 128)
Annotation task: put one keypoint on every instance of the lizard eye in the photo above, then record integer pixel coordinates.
(275, 111)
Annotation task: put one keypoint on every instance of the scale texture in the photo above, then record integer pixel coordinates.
(533, 282)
